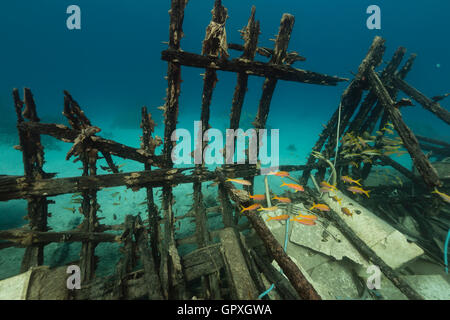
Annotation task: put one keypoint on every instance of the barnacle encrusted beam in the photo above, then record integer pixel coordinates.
(254, 68)
(410, 141)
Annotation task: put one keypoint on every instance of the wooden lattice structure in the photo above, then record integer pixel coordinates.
(152, 240)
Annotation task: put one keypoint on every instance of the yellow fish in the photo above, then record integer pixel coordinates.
(281, 199)
(328, 185)
(257, 197)
(278, 218)
(348, 179)
(250, 208)
(294, 186)
(306, 222)
(359, 190)
(320, 207)
(240, 181)
(443, 196)
(274, 208)
(336, 199)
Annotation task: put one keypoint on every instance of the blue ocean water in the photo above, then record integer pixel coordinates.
(113, 66)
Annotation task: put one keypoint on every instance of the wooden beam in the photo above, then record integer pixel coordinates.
(426, 102)
(66, 134)
(305, 290)
(410, 142)
(253, 68)
(240, 281)
(349, 101)
(22, 237)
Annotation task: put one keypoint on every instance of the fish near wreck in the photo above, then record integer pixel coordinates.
(320, 207)
(359, 190)
(294, 186)
(443, 196)
(278, 218)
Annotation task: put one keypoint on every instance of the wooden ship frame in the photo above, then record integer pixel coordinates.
(224, 265)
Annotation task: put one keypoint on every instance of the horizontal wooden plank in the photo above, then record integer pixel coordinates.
(19, 187)
(255, 68)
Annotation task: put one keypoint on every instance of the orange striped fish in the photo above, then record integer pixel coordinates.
(274, 208)
(251, 208)
(281, 199)
(307, 216)
(347, 212)
(279, 174)
(257, 197)
(240, 181)
(279, 218)
(320, 207)
(294, 186)
(306, 222)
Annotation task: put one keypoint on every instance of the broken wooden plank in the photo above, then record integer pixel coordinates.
(23, 238)
(410, 142)
(19, 187)
(203, 262)
(151, 276)
(253, 68)
(281, 45)
(426, 102)
(240, 281)
(66, 134)
(33, 160)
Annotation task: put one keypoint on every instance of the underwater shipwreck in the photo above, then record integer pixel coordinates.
(335, 221)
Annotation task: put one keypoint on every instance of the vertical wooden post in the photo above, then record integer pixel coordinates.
(149, 144)
(33, 160)
(171, 275)
(379, 110)
(250, 34)
(89, 206)
(213, 44)
(279, 54)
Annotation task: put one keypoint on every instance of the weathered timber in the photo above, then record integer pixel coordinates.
(282, 285)
(149, 143)
(253, 68)
(376, 112)
(171, 276)
(203, 262)
(19, 187)
(433, 141)
(238, 275)
(24, 238)
(128, 259)
(445, 152)
(379, 111)
(291, 57)
(281, 45)
(349, 101)
(352, 95)
(250, 35)
(66, 134)
(387, 161)
(151, 276)
(410, 142)
(371, 98)
(426, 102)
(302, 286)
(33, 160)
